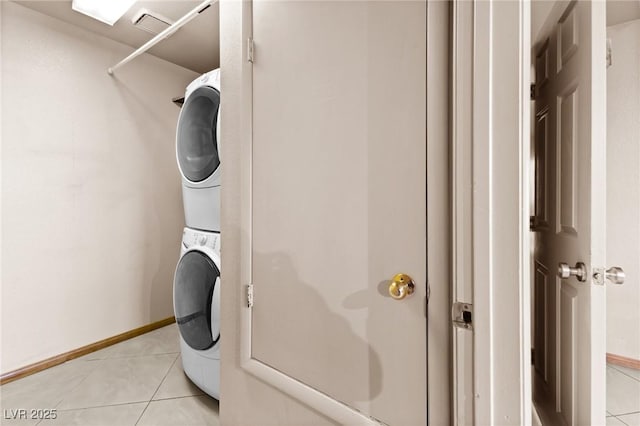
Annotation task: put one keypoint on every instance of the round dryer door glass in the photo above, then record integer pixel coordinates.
(196, 138)
(196, 277)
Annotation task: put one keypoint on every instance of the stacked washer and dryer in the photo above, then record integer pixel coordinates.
(196, 286)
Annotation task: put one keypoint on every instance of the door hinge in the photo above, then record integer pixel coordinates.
(462, 315)
(250, 296)
(426, 301)
(609, 53)
(532, 91)
(533, 356)
(250, 49)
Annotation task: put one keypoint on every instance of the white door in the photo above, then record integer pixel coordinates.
(570, 137)
(338, 207)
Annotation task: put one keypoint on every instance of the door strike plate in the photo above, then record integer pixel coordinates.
(598, 276)
(462, 315)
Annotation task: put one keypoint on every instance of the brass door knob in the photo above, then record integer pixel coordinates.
(401, 286)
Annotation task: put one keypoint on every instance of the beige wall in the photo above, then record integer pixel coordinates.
(540, 10)
(92, 211)
(623, 189)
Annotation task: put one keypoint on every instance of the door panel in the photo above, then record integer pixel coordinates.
(570, 101)
(339, 200)
(567, 191)
(567, 343)
(541, 315)
(541, 165)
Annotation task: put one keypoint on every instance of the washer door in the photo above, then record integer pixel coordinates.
(197, 143)
(193, 288)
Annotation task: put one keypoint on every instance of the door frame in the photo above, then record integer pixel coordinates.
(493, 102)
(438, 236)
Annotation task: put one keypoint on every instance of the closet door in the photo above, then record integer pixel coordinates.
(338, 207)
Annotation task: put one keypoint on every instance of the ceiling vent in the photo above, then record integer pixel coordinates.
(150, 22)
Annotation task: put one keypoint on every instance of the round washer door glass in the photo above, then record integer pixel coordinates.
(196, 139)
(196, 277)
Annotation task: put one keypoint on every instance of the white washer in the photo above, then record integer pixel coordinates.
(196, 303)
(197, 152)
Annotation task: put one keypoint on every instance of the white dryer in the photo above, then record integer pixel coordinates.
(196, 303)
(197, 152)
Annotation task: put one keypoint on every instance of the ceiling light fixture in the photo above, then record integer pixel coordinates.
(107, 11)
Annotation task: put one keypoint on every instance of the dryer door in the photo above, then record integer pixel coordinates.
(193, 289)
(197, 142)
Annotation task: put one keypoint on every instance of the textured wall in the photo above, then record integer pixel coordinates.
(92, 210)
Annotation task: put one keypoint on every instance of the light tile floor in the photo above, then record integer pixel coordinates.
(136, 382)
(141, 382)
(623, 396)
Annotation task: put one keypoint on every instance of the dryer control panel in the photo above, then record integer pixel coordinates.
(192, 237)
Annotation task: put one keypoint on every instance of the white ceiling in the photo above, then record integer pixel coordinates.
(619, 11)
(195, 46)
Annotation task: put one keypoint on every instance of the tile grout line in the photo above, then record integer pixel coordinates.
(94, 364)
(620, 371)
(154, 394)
(138, 355)
(165, 377)
(182, 397)
(95, 367)
(91, 407)
(617, 416)
(91, 370)
(628, 414)
(623, 373)
(620, 420)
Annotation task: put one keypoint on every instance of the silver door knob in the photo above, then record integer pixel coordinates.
(579, 271)
(616, 275)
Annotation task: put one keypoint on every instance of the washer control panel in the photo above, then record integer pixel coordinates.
(192, 237)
